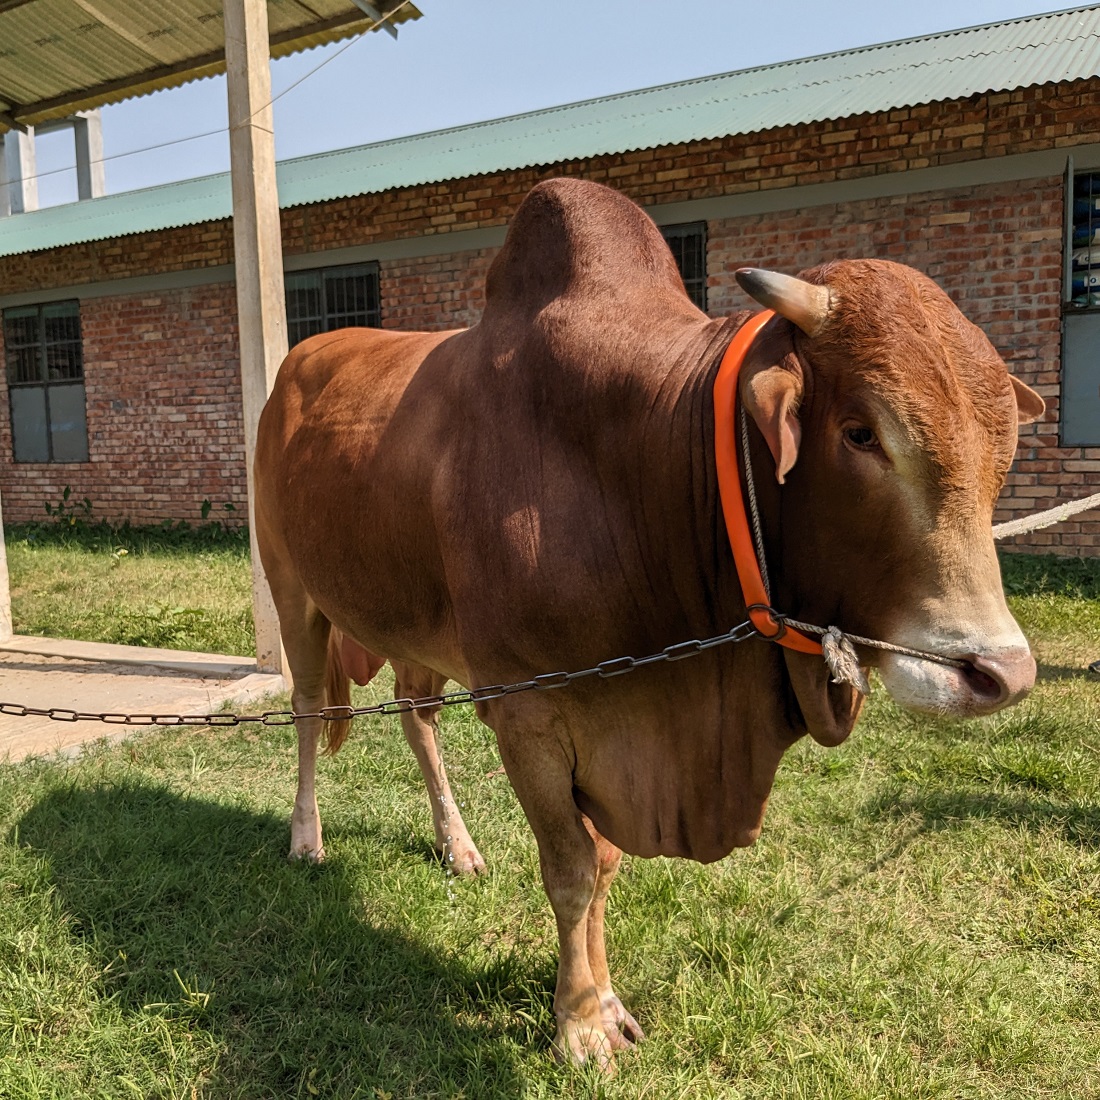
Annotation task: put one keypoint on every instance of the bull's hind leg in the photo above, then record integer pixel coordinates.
(305, 634)
(422, 732)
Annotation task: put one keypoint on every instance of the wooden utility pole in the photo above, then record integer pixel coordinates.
(258, 256)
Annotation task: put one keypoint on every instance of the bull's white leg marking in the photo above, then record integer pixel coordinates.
(305, 635)
(452, 839)
(305, 822)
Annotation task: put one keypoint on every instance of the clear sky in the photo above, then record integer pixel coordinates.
(471, 60)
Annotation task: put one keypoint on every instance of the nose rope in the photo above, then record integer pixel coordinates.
(837, 647)
(923, 654)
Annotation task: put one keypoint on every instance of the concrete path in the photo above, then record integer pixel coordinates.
(97, 678)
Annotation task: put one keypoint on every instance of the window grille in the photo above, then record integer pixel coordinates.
(1079, 404)
(1085, 241)
(330, 298)
(689, 249)
(45, 372)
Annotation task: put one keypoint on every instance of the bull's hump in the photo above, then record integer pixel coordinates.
(570, 236)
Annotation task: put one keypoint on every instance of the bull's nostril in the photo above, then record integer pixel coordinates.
(982, 684)
(1001, 678)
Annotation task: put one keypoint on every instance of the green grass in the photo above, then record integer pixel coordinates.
(170, 587)
(921, 918)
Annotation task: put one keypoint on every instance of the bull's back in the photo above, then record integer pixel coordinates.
(343, 472)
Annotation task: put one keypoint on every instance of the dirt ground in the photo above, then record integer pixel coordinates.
(93, 678)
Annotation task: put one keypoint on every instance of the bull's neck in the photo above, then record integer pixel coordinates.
(707, 587)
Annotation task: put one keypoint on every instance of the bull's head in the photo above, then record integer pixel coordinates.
(892, 423)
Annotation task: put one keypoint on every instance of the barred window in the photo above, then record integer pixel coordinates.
(45, 371)
(689, 248)
(330, 298)
(1080, 397)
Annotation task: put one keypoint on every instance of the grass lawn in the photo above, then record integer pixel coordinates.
(921, 917)
(180, 589)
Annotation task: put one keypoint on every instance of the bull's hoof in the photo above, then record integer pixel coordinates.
(462, 860)
(580, 1043)
(621, 1028)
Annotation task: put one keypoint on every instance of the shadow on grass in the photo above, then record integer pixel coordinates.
(944, 810)
(181, 898)
(1067, 672)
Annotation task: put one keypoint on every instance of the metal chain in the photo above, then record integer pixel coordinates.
(754, 508)
(546, 682)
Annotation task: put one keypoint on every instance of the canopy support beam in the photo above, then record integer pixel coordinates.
(258, 256)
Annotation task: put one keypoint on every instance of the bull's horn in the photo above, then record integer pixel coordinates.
(804, 304)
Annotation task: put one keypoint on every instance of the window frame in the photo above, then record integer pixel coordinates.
(46, 366)
(696, 233)
(1079, 417)
(327, 315)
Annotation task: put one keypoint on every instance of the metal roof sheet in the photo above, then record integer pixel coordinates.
(951, 65)
(62, 56)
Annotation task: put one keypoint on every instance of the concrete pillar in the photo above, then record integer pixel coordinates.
(258, 256)
(18, 162)
(14, 189)
(91, 180)
(19, 192)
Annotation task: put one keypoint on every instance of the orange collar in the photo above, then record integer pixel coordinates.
(768, 622)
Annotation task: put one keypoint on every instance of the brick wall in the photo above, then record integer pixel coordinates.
(997, 250)
(163, 398)
(163, 391)
(435, 292)
(1024, 120)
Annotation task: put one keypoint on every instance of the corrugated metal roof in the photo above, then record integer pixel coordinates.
(62, 56)
(952, 65)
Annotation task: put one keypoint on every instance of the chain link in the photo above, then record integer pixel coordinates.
(548, 681)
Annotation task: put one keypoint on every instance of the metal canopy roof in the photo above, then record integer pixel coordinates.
(62, 56)
(951, 65)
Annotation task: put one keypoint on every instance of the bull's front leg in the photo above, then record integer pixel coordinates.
(577, 868)
(569, 872)
(621, 1028)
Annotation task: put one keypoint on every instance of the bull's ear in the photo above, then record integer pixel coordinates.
(1030, 406)
(771, 389)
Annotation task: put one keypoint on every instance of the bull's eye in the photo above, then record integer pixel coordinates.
(863, 439)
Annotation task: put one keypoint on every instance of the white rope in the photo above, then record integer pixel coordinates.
(1045, 519)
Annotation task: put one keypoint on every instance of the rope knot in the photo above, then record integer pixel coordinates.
(840, 656)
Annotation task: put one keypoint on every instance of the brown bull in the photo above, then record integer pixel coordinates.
(538, 493)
